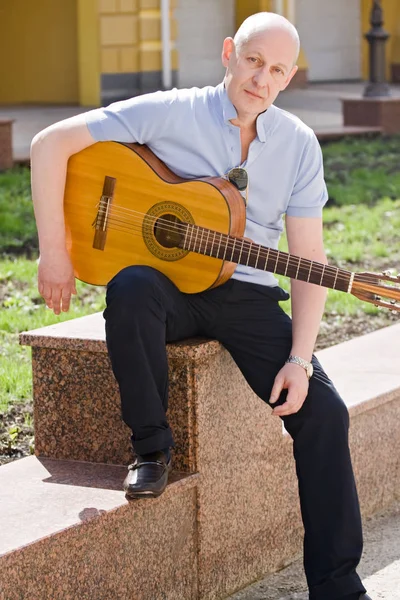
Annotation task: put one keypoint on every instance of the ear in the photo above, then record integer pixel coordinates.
(290, 77)
(227, 49)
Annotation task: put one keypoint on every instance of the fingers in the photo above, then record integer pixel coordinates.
(294, 402)
(276, 389)
(66, 300)
(57, 298)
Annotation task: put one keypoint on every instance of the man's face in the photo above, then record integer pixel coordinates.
(258, 70)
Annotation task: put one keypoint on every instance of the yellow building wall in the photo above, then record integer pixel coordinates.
(130, 36)
(88, 52)
(38, 50)
(391, 15)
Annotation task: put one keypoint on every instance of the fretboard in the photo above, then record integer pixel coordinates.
(240, 251)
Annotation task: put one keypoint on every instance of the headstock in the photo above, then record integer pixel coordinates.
(379, 289)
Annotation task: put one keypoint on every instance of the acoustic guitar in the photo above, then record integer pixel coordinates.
(123, 206)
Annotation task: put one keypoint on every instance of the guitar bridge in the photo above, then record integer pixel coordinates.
(101, 221)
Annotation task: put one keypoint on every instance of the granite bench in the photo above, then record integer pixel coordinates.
(221, 519)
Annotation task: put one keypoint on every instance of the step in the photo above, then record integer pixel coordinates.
(67, 531)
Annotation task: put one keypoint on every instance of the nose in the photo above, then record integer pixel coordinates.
(262, 77)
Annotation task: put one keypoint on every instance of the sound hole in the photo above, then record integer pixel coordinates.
(168, 231)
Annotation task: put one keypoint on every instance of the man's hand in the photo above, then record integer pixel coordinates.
(293, 378)
(56, 281)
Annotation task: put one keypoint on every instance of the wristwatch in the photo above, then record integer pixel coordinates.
(307, 366)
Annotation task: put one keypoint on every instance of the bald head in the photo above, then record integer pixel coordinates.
(265, 22)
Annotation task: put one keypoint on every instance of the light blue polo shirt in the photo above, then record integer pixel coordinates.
(191, 132)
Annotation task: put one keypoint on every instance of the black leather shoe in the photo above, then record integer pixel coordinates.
(147, 476)
(365, 597)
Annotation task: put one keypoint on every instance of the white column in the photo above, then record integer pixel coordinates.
(279, 6)
(291, 11)
(166, 45)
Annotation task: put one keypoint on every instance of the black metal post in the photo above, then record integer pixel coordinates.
(377, 38)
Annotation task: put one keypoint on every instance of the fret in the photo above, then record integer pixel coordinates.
(309, 272)
(350, 283)
(191, 235)
(266, 260)
(258, 256)
(233, 249)
(298, 267)
(276, 262)
(287, 264)
(249, 250)
(186, 235)
(322, 275)
(240, 253)
(201, 241)
(212, 245)
(219, 244)
(226, 246)
(336, 276)
(208, 237)
(195, 239)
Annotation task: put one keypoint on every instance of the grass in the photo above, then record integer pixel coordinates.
(362, 225)
(24, 309)
(360, 171)
(17, 225)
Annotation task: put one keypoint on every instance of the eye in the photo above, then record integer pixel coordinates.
(278, 70)
(253, 59)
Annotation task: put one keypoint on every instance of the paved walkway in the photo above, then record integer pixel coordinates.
(319, 106)
(379, 568)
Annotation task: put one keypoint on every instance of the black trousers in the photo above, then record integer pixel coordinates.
(145, 310)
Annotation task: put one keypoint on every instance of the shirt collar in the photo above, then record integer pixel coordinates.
(264, 121)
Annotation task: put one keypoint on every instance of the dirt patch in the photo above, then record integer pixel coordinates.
(16, 433)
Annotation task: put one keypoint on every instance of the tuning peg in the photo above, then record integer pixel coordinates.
(387, 273)
(393, 301)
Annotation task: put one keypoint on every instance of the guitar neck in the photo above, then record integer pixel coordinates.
(240, 251)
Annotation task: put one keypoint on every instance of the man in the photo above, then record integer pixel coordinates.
(206, 133)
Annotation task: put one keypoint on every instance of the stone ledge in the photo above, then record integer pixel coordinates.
(361, 368)
(227, 435)
(87, 334)
(62, 521)
(375, 112)
(44, 496)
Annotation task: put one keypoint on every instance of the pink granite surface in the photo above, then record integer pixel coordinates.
(248, 520)
(76, 398)
(69, 533)
(248, 489)
(77, 408)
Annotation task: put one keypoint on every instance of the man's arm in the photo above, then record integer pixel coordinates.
(50, 151)
(305, 239)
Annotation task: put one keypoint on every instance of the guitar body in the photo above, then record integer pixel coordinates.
(144, 192)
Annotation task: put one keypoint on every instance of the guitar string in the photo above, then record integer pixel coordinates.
(252, 248)
(232, 245)
(393, 292)
(120, 211)
(254, 253)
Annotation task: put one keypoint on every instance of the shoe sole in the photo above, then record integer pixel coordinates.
(144, 494)
(147, 493)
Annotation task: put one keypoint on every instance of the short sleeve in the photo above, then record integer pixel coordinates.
(140, 119)
(309, 192)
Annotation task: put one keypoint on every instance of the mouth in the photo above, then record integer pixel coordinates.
(253, 95)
